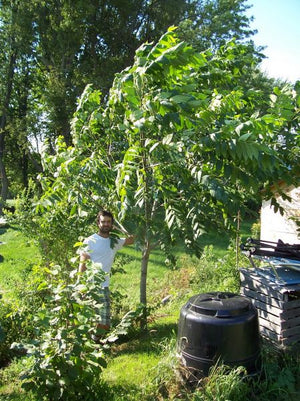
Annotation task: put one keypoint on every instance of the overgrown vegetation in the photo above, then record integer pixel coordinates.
(139, 366)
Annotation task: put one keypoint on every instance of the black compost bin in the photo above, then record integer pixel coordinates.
(218, 327)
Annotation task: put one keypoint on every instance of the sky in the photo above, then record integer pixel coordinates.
(278, 26)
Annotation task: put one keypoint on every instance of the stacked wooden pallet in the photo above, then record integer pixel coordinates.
(278, 306)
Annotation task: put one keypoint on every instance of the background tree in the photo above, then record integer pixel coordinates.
(88, 42)
(16, 38)
(100, 39)
(69, 45)
(175, 151)
(211, 23)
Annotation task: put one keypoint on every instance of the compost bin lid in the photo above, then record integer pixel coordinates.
(219, 304)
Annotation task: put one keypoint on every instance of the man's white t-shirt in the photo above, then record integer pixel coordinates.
(100, 251)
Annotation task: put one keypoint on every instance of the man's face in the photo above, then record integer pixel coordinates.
(105, 224)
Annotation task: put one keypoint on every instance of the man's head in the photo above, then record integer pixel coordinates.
(105, 221)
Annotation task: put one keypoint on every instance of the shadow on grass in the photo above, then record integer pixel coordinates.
(16, 395)
(115, 392)
(3, 229)
(146, 342)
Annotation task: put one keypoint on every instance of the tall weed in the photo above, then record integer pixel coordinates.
(223, 384)
(280, 378)
(167, 383)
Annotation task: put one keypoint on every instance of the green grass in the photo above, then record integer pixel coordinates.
(17, 257)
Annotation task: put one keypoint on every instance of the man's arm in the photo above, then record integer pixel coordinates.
(83, 258)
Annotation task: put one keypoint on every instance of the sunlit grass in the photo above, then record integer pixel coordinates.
(131, 369)
(17, 257)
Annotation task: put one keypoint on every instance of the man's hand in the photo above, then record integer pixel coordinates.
(129, 240)
(83, 258)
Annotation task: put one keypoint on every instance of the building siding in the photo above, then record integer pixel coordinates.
(275, 226)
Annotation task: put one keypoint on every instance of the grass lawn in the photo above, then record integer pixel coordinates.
(17, 257)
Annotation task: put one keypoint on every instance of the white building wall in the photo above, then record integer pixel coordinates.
(274, 226)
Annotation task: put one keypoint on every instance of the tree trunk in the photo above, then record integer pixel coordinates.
(4, 181)
(3, 175)
(143, 283)
(3, 120)
(23, 112)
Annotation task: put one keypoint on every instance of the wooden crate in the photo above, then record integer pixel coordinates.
(278, 307)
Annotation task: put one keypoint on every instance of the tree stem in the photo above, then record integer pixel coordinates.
(143, 283)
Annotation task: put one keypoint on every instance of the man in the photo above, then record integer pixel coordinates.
(100, 249)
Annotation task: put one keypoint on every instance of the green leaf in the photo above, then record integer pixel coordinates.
(167, 139)
(153, 147)
(73, 210)
(245, 137)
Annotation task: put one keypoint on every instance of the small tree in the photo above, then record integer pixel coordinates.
(176, 151)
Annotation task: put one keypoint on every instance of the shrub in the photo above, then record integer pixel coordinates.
(280, 374)
(65, 362)
(13, 327)
(216, 274)
(54, 230)
(17, 315)
(6, 324)
(255, 230)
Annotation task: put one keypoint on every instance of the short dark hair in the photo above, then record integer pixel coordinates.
(105, 213)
